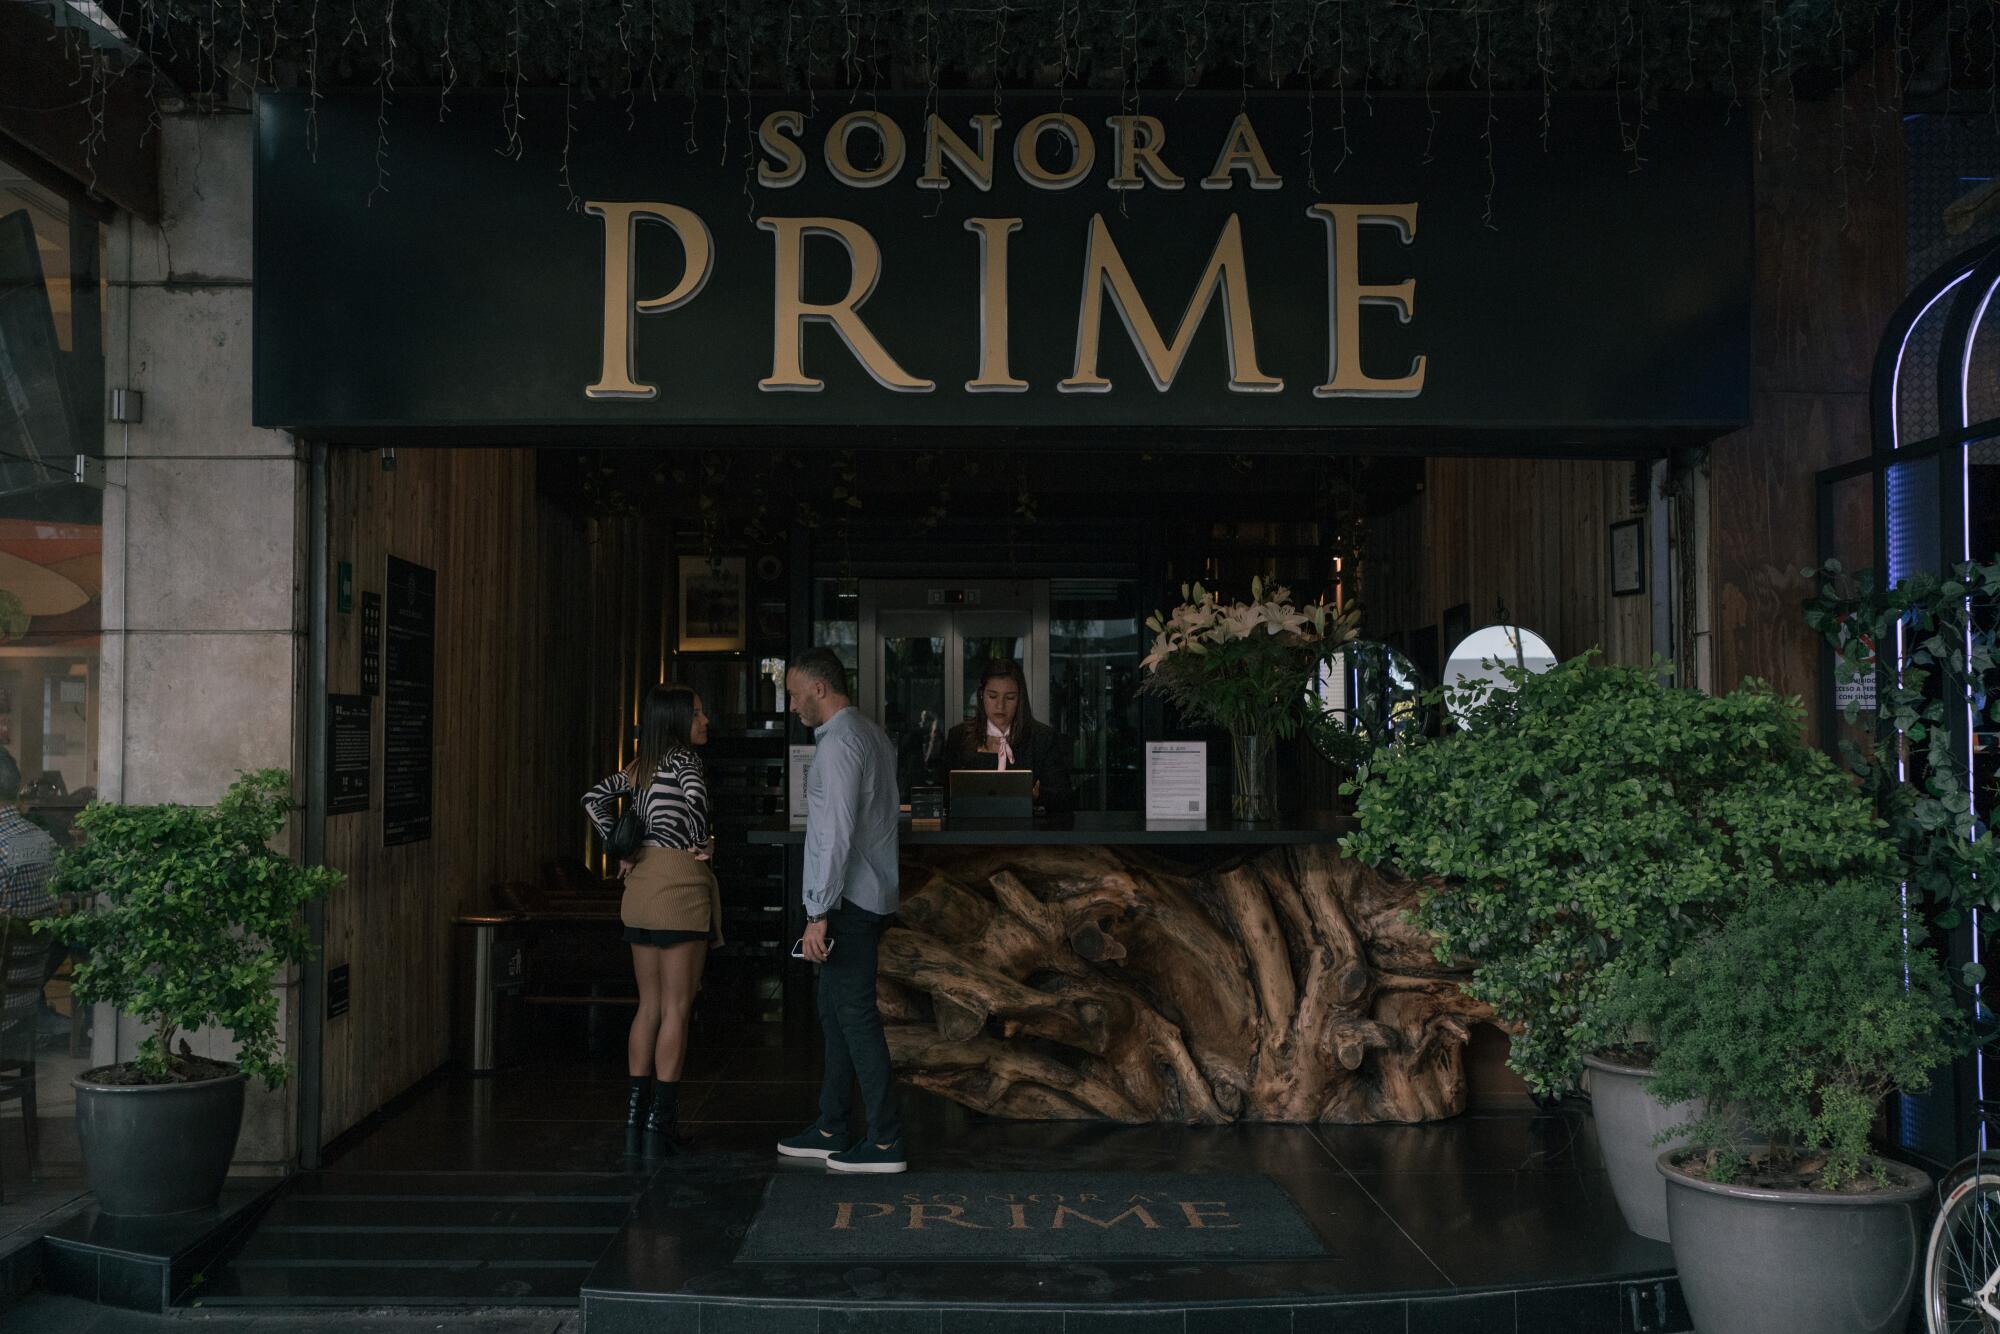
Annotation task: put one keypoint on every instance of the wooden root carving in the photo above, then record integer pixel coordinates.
(1083, 982)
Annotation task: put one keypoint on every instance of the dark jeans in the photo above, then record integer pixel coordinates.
(855, 1048)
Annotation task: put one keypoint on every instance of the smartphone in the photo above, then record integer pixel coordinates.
(799, 947)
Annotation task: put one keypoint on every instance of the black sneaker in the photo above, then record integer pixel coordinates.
(812, 1142)
(868, 1156)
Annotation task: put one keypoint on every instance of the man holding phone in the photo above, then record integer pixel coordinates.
(850, 893)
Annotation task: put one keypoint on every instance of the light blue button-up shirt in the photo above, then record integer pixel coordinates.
(851, 810)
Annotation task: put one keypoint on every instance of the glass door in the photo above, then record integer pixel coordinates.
(923, 647)
(913, 649)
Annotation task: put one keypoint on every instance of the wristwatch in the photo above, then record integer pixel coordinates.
(818, 917)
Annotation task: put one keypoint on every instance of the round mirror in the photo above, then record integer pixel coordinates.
(1472, 672)
(1365, 695)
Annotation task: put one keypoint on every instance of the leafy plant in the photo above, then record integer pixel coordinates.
(1245, 666)
(195, 915)
(1799, 1015)
(1915, 769)
(1584, 823)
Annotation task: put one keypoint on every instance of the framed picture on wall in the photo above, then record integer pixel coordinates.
(713, 605)
(1628, 557)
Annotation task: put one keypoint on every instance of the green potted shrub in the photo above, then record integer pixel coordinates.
(1800, 1014)
(194, 915)
(1576, 829)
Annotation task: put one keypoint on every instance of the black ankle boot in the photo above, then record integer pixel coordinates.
(635, 1100)
(664, 1116)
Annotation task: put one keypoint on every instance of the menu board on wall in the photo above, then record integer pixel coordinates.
(409, 646)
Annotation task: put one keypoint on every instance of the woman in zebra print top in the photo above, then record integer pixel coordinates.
(671, 906)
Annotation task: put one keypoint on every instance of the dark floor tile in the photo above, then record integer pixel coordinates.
(773, 1063)
(728, 1318)
(1564, 1142)
(340, 1180)
(45, 1313)
(760, 1102)
(983, 1321)
(1487, 1313)
(1123, 1322)
(365, 1246)
(611, 1315)
(594, 1148)
(445, 1212)
(1489, 1229)
(416, 1285)
(1352, 1318)
(879, 1320)
(1581, 1310)
(1240, 1320)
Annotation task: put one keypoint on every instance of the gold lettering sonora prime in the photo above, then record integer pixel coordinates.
(791, 312)
(1346, 295)
(1137, 1211)
(953, 1214)
(941, 142)
(1028, 150)
(843, 1213)
(1242, 151)
(1136, 157)
(1104, 271)
(841, 163)
(616, 374)
(1198, 1212)
(994, 377)
(776, 136)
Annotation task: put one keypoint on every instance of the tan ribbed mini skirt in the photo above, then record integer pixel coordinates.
(672, 890)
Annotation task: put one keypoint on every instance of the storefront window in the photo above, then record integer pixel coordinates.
(51, 579)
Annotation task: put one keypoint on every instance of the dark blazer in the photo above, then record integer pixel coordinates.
(1041, 750)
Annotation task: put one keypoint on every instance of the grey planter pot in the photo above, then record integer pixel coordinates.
(156, 1149)
(1753, 1260)
(1628, 1118)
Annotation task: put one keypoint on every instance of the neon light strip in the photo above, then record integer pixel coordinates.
(1965, 553)
(1902, 768)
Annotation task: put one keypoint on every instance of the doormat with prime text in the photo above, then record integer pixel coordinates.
(1017, 1217)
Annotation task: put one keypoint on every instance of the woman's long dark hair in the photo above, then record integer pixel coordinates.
(666, 725)
(1001, 669)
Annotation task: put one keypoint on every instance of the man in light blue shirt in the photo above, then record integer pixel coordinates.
(850, 892)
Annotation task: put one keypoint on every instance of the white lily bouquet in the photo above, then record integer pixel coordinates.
(1244, 666)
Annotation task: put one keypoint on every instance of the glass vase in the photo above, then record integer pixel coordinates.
(1255, 796)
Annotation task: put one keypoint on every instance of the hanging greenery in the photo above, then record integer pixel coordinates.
(1749, 50)
(663, 46)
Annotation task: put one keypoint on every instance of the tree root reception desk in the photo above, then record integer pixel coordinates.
(1095, 966)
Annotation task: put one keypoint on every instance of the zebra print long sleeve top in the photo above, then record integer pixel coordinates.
(676, 803)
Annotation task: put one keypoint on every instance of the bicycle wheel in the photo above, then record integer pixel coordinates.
(1962, 1264)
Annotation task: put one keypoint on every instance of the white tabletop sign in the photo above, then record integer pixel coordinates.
(1176, 780)
(798, 760)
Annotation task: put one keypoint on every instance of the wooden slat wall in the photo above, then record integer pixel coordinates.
(1524, 541)
(1830, 273)
(543, 626)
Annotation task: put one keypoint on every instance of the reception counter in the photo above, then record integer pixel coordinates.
(1098, 966)
(1122, 829)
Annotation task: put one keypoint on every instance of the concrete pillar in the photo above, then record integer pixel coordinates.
(204, 649)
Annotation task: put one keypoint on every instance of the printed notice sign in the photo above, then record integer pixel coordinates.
(1176, 780)
(409, 624)
(798, 760)
(349, 720)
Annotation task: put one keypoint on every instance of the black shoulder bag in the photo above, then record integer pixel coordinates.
(629, 833)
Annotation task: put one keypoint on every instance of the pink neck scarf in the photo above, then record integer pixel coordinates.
(1005, 750)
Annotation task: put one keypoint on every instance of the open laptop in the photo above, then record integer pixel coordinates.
(992, 794)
